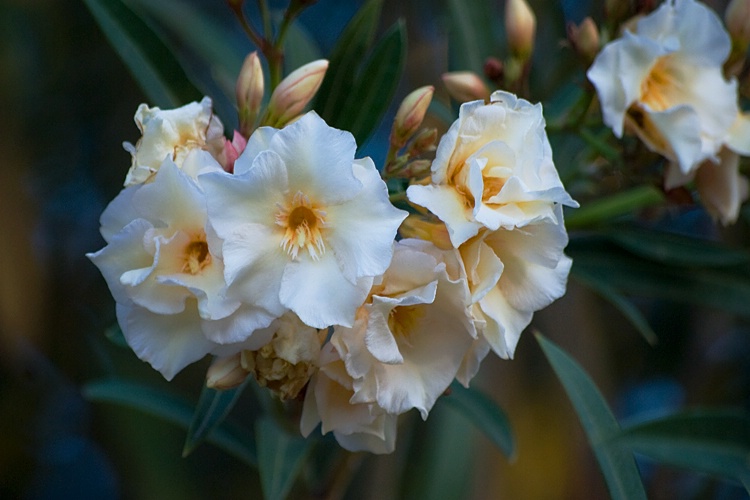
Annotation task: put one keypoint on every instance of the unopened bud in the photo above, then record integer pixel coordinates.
(226, 373)
(416, 227)
(410, 115)
(294, 92)
(520, 28)
(464, 86)
(424, 141)
(737, 18)
(493, 69)
(249, 92)
(584, 38)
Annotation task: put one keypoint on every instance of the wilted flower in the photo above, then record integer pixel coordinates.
(493, 169)
(665, 83)
(164, 268)
(411, 336)
(172, 134)
(306, 227)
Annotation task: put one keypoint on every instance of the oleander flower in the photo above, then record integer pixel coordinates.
(305, 226)
(493, 169)
(172, 134)
(665, 83)
(410, 337)
(164, 267)
(328, 401)
(513, 273)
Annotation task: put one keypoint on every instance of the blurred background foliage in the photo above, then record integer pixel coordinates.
(68, 102)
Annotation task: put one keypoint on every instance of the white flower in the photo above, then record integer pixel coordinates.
(306, 227)
(164, 268)
(172, 134)
(410, 338)
(665, 82)
(493, 169)
(356, 426)
(512, 274)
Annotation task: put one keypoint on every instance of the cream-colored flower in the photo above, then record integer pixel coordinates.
(665, 83)
(164, 267)
(172, 134)
(356, 426)
(493, 169)
(512, 273)
(306, 227)
(411, 336)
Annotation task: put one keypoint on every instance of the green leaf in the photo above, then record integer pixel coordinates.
(606, 209)
(715, 442)
(299, 48)
(441, 456)
(150, 61)
(470, 38)
(626, 307)
(617, 465)
(596, 259)
(213, 407)
(346, 57)
(673, 249)
(231, 438)
(280, 457)
(219, 54)
(484, 413)
(374, 88)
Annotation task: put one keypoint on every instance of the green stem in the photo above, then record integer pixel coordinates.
(608, 208)
(265, 14)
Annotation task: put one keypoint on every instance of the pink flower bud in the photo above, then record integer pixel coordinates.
(232, 151)
(424, 141)
(464, 86)
(410, 115)
(294, 92)
(584, 38)
(249, 92)
(520, 28)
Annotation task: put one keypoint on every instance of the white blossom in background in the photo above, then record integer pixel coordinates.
(306, 227)
(493, 169)
(328, 401)
(665, 83)
(173, 134)
(410, 338)
(164, 268)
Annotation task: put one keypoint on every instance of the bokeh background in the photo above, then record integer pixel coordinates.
(67, 104)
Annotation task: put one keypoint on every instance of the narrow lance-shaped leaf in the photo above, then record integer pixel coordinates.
(229, 437)
(484, 413)
(674, 249)
(213, 407)
(346, 57)
(150, 61)
(715, 442)
(376, 84)
(599, 424)
(626, 307)
(606, 209)
(280, 458)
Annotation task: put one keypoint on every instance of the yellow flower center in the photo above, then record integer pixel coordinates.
(403, 320)
(657, 87)
(302, 223)
(196, 256)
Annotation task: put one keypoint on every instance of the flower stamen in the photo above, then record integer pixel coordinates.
(302, 224)
(196, 256)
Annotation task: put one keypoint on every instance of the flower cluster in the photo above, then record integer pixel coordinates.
(278, 253)
(664, 81)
